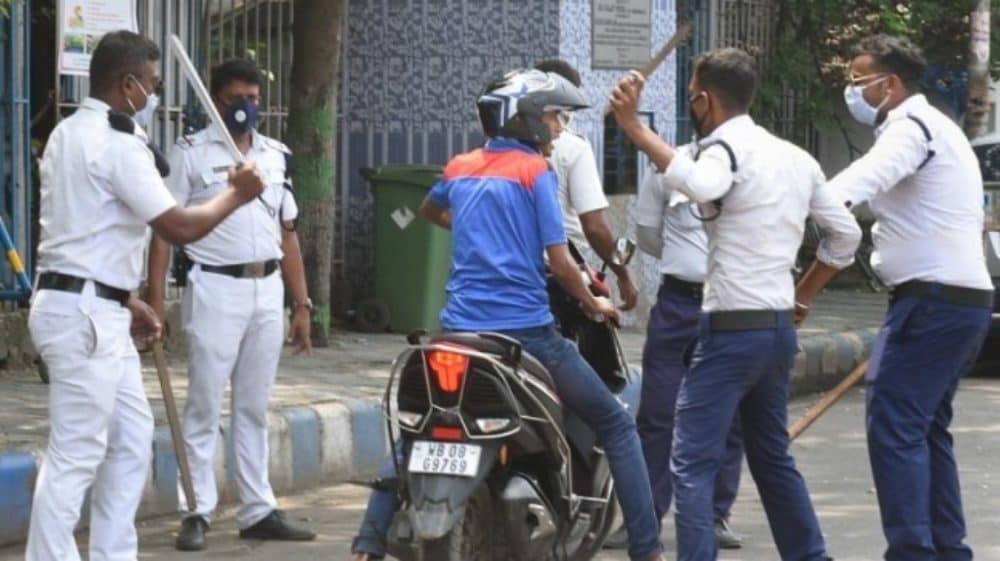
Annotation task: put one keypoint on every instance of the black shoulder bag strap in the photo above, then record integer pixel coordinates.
(927, 136)
(732, 167)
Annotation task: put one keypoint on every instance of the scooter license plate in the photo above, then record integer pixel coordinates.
(445, 458)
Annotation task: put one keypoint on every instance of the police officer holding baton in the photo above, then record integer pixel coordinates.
(923, 184)
(754, 191)
(100, 187)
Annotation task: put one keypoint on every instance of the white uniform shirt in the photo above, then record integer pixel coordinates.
(198, 172)
(685, 244)
(99, 189)
(580, 188)
(753, 243)
(929, 220)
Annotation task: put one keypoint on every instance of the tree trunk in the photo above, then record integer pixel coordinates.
(312, 137)
(978, 110)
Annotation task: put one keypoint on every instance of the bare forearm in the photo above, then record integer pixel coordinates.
(180, 226)
(292, 267)
(817, 276)
(159, 259)
(568, 276)
(598, 235)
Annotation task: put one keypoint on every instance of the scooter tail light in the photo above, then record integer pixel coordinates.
(446, 433)
(449, 369)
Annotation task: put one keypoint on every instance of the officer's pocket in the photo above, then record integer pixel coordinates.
(109, 331)
(697, 348)
(909, 318)
(62, 336)
(878, 347)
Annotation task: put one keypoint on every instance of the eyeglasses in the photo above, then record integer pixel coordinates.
(157, 87)
(867, 79)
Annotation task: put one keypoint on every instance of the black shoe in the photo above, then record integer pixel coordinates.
(725, 537)
(192, 534)
(274, 526)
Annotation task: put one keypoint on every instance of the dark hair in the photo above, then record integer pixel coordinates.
(729, 74)
(234, 70)
(894, 55)
(560, 67)
(118, 54)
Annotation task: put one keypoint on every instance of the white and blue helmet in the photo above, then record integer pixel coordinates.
(512, 106)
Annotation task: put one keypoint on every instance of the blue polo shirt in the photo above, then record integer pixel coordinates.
(505, 211)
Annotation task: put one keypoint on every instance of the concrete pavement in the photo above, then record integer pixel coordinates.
(326, 422)
(831, 456)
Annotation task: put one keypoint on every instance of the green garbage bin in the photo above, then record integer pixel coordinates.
(412, 256)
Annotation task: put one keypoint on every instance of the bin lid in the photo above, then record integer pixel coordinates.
(418, 175)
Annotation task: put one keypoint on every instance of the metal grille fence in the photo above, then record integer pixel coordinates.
(15, 130)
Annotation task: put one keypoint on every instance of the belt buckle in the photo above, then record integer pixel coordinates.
(254, 270)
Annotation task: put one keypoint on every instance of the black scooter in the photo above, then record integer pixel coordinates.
(493, 466)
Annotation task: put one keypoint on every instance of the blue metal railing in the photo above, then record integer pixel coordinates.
(15, 155)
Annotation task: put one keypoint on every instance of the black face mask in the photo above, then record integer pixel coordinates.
(696, 123)
(241, 116)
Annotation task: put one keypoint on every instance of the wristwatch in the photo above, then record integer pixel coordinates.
(308, 304)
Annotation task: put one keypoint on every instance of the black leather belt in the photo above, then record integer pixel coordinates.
(742, 320)
(257, 270)
(69, 283)
(681, 286)
(957, 295)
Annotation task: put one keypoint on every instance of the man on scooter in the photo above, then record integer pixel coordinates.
(501, 204)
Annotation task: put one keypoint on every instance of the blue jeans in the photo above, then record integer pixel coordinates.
(586, 396)
(744, 372)
(672, 329)
(923, 348)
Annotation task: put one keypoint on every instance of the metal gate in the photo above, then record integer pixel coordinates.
(748, 25)
(212, 31)
(15, 130)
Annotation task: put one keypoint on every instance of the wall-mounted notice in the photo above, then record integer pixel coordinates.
(620, 33)
(82, 23)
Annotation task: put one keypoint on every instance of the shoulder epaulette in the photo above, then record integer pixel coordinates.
(189, 140)
(276, 144)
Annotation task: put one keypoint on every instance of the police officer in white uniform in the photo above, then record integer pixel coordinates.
(100, 187)
(669, 228)
(755, 191)
(581, 194)
(233, 307)
(923, 184)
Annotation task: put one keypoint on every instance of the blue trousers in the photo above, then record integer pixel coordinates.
(672, 329)
(922, 350)
(744, 373)
(585, 395)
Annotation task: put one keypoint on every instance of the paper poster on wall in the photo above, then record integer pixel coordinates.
(620, 33)
(82, 23)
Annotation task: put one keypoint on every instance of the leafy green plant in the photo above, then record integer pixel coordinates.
(810, 52)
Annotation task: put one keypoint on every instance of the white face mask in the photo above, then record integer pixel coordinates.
(860, 109)
(144, 116)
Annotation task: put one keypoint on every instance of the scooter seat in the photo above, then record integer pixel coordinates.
(490, 346)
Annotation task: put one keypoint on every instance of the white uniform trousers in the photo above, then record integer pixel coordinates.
(101, 428)
(235, 332)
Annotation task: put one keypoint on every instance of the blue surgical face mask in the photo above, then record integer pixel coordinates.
(144, 116)
(241, 116)
(860, 109)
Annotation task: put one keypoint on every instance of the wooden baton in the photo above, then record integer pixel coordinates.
(827, 401)
(175, 426)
